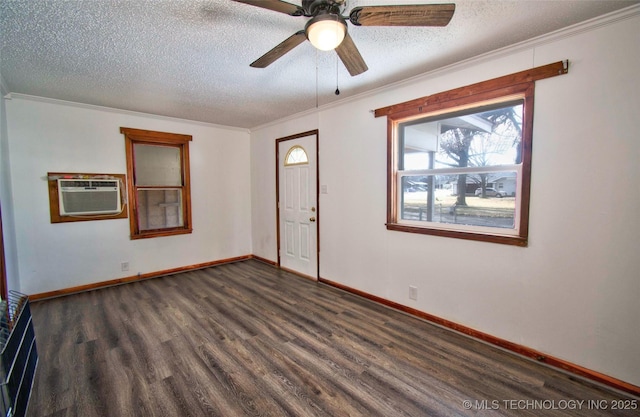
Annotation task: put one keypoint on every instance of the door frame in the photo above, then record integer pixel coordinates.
(318, 217)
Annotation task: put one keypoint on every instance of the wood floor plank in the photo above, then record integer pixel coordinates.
(248, 339)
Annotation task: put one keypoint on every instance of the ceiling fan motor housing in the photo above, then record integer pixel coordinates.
(315, 7)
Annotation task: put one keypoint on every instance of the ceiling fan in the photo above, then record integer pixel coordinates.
(327, 28)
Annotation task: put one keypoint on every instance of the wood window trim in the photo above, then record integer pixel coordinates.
(148, 137)
(462, 95)
(522, 82)
(54, 199)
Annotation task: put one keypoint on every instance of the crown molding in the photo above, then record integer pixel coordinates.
(48, 100)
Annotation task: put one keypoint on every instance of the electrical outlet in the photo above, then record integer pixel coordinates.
(413, 292)
(124, 266)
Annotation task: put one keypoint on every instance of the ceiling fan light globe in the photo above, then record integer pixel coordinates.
(326, 32)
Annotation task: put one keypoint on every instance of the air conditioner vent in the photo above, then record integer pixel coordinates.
(89, 197)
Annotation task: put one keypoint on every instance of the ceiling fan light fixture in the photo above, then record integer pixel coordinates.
(326, 31)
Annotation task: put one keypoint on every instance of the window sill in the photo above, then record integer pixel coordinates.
(161, 233)
(492, 238)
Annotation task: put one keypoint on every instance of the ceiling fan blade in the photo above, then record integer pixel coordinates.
(410, 15)
(281, 49)
(276, 5)
(350, 56)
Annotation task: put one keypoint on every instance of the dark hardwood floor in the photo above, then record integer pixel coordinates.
(247, 339)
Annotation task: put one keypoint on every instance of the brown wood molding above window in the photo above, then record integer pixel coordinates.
(462, 94)
(459, 161)
(158, 183)
(155, 137)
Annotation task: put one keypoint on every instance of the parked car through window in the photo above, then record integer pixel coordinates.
(490, 192)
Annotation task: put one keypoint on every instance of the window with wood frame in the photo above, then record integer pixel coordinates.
(459, 162)
(158, 183)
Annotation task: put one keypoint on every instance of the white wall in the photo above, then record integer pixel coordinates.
(573, 292)
(8, 229)
(48, 136)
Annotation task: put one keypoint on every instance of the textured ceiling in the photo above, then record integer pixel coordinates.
(190, 59)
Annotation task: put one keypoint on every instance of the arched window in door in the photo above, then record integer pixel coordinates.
(296, 156)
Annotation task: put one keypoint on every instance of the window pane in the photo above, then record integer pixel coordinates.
(159, 208)
(491, 205)
(486, 136)
(296, 156)
(157, 165)
(420, 143)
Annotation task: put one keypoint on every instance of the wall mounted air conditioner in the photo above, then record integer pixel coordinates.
(82, 197)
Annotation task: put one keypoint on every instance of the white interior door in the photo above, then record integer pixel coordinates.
(298, 214)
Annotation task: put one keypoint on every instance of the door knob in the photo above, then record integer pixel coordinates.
(312, 219)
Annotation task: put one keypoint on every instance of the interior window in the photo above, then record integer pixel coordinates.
(459, 162)
(448, 166)
(158, 183)
(464, 170)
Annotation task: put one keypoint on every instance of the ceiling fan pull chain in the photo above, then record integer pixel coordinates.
(317, 79)
(337, 89)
